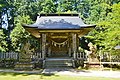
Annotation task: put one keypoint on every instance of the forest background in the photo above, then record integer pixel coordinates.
(104, 13)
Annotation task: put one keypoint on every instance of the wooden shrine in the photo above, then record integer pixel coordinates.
(59, 34)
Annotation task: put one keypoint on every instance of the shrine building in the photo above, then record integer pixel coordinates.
(59, 34)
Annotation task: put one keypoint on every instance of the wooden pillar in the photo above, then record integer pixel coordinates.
(78, 42)
(74, 44)
(69, 45)
(40, 54)
(69, 52)
(49, 48)
(43, 45)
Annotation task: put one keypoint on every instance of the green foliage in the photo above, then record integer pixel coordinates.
(107, 32)
(104, 13)
(3, 43)
(19, 35)
(65, 5)
(48, 6)
(2, 4)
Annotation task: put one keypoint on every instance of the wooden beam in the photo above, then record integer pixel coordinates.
(37, 32)
(58, 31)
(33, 32)
(59, 36)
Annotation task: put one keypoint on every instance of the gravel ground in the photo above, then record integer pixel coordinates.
(71, 72)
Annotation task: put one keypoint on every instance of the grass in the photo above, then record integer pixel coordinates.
(18, 76)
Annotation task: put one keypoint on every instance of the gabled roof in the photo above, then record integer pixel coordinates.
(58, 21)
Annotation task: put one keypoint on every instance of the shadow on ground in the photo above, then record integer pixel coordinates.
(24, 73)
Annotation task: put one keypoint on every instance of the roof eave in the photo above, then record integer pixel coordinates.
(30, 26)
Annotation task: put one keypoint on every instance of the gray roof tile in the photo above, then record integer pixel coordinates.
(59, 22)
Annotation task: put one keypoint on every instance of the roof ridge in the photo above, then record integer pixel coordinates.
(55, 14)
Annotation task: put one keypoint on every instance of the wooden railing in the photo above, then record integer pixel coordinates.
(14, 55)
(81, 56)
(9, 55)
(108, 57)
(37, 56)
(102, 57)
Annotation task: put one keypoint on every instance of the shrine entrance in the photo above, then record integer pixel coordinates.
(59, 51)
(58, 45)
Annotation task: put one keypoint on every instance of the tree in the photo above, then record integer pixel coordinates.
(107, 32)
(19, 35)
(104, 13)
(48, 6)
(112, 27)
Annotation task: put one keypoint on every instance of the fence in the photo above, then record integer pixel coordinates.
(106, 57)
(14, 55)
(81, 55)
(9, 55)
(37, 56)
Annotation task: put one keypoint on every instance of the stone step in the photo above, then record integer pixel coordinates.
(58, 62)
(63, 61)
(59, 65)
(24, 66)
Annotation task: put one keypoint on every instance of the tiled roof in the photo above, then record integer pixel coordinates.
(62, 21)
